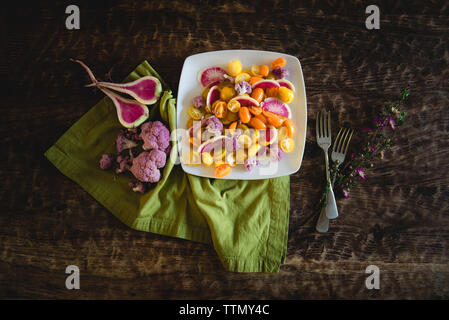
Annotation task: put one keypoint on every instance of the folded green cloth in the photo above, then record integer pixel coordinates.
(246, 221)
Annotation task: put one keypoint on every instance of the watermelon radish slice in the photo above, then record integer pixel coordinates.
(287, 84)
(277, 106)
(265, 84)
(212, 96)
(211, 76)
(246, 101)
(209, 144)
(131, 113)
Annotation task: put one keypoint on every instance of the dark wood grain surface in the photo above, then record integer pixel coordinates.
(398, 220)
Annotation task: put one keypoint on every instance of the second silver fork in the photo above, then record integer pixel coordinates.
(338, 155)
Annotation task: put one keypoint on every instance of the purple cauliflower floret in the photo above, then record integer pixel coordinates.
(124, 163)
(155, 135)
(250, 163)
(138, 186)
(280, 73)
(213, 125)
(243, 87)
(198, 102)
(123, 143)
(106, 161)
(144, 168)
(158, 157)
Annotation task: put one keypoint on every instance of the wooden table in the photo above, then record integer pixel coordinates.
(398, 220)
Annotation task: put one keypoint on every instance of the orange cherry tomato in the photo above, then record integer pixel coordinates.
(244, 115)
(255, 110)
(257, 94)
(273, 118)
(253, 80)
(257, 123)
(264, 70)
(278, 63)
(290, 127)
(233, 125)
(262, 118)
(222, 170)
(272, 92)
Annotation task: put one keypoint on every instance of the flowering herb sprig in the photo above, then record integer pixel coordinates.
(379, 138)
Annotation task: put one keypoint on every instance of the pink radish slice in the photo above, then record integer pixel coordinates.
(277, 106)
(213, 95)
(146, 90)
(130, 113)
(210, 144)
(211, 76)
(246, 101)
(264, 84)
(287, 84)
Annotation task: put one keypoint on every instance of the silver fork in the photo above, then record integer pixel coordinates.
(323, 138)
(338, 155)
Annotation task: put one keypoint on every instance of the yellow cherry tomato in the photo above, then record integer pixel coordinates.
(222, 170)
(287, 145)
(195, 113)
(282, 133)
(208, 160)
(235, 68)
(285, 94)
(255, 71)
(242, 77)
(189, 123)
(253, 150)
(233, 106)
(226, 93)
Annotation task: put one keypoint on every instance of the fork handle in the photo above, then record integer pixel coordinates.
(331, 206)
(322, 224)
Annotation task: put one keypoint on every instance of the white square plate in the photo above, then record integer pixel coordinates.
(189, 87)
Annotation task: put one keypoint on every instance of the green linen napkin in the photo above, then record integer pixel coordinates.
(246, 221)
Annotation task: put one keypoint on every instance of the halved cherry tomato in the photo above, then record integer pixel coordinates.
(233, 125)
(290, 127)
(278, 63)
(253, 80)
(257, 123)
(219, 108)
(287, 145)
(222, 170)
(257, 94)
(272, 92)
(264, 70)
(273, 118)
(244, 115)
(255, 110)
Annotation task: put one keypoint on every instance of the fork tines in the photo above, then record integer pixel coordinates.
(323, 125)
(341, 143)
